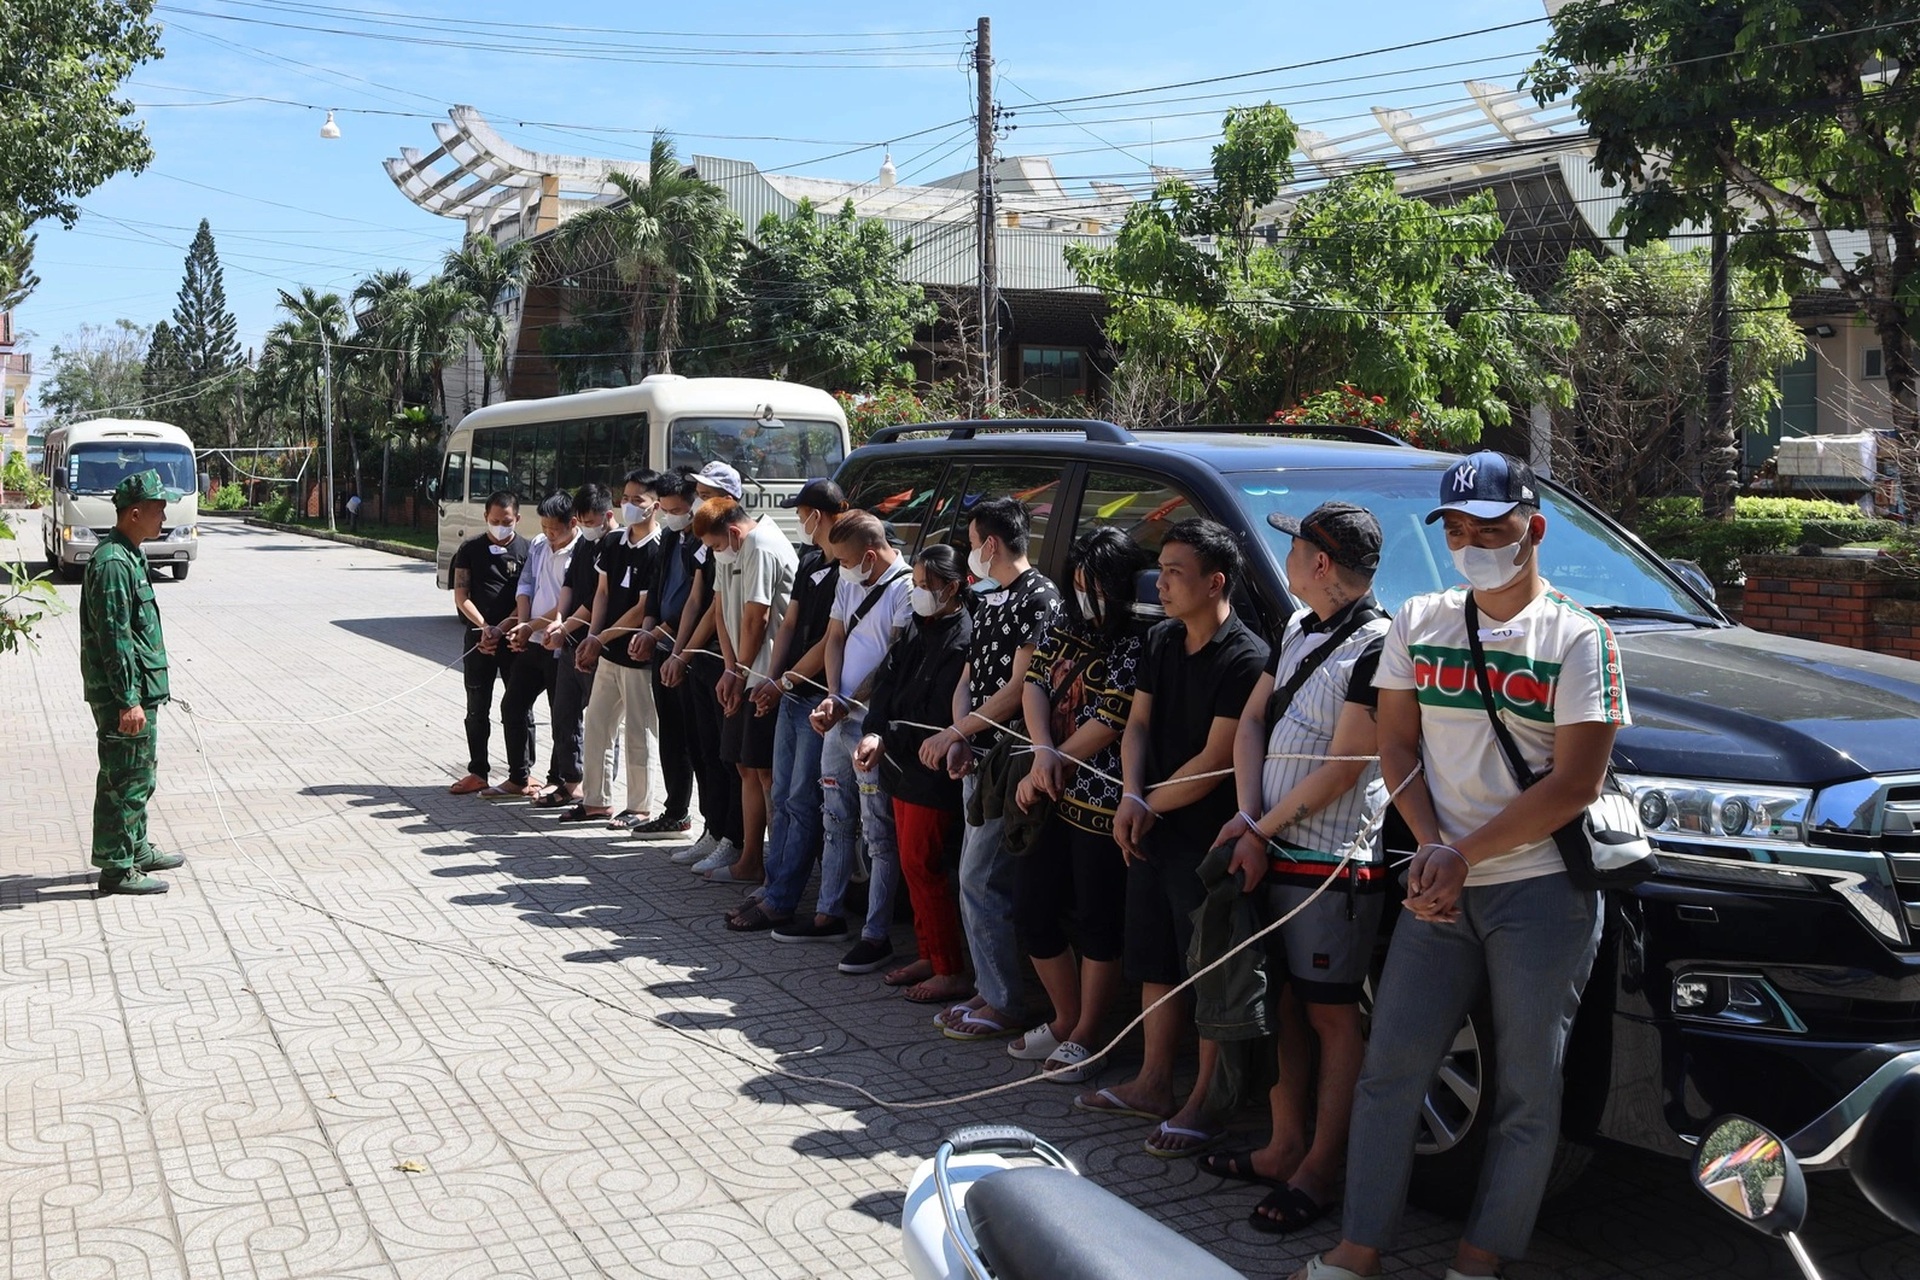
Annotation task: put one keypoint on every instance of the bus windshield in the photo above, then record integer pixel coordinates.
(100, 466)
(780, 449)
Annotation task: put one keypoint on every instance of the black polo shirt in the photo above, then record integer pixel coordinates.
(583, 581)
(629, 571)
(813, 587)
(1190, 692)
(493, 571)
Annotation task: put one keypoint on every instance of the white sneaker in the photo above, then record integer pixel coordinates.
(697, 850)
(724, 854)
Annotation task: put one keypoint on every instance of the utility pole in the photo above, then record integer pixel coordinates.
(326, 411)
(1722, 453)
(989, 252)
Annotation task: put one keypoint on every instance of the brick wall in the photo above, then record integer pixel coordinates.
(1857, 603)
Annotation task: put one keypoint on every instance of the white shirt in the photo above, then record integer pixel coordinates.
(1553, 663)
(763, 574)
(544, 575)
(1307, 728)
(867, 642)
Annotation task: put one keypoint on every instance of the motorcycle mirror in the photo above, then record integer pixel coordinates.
(1750, 1173)
(1885, 1155)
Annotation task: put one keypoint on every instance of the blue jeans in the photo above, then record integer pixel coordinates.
(793, 842)
(854, 805)
(986, 909)
(1532, 943)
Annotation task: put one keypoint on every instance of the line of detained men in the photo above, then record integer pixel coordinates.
(840, 706)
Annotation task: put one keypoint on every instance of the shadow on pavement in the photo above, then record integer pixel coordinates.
(436, 637)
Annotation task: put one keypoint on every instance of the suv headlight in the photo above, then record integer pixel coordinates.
(1686, 808)
(184, 533)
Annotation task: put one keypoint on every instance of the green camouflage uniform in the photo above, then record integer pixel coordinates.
(123, 660)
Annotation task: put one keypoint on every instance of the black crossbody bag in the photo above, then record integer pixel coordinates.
(1282, 698)
(1605, 846)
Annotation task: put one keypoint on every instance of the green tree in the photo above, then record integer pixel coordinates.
(1785, 121)
(385, 330)
(162, 374)
(63, 131)
(825, 302)
(1364, 287)
(1639, 370)
(94, 370)
(488, 275)
(297, 365)
(671, 242)
(206, 337)
(592, 349)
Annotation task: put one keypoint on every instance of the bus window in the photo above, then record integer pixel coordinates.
(453, 480)
(783, 449)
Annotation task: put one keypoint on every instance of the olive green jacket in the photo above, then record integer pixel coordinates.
(123, 655)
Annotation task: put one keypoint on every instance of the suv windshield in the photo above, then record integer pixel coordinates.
(1581, 556)
(101, 466)
(784, 449)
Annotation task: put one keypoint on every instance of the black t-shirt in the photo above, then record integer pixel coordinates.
(1006, 620)
(629, 571)
(493, 571)
(1190, 692)
(583, 581)
(813, 587)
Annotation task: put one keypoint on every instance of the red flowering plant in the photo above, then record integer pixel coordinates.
(1347, 405)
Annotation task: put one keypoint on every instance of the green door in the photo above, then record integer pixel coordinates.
(1797, 414)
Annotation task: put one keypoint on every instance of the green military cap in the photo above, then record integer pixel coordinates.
(143, 486)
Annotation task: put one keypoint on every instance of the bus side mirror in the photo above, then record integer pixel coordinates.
(433, 490)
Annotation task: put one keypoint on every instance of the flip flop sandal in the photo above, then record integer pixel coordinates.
(1105, 1102)
(894, 980)
(580, 813)
(1036, 1045)
(1068, 1064)
(726, 875)
(625, 820)
(1319, 1268)
(971, 1026)
(753, 920)
(1201, 1140)
(1237, 1166)
(952, 1011)
(944, 998)
(1296, 1209)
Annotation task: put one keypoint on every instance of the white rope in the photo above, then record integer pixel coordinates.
(1363, 838)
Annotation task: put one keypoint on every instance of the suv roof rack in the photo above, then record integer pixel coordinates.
(1095, 429)
(1321, 430)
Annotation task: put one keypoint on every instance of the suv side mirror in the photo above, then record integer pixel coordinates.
(1750, 1173)
(1695, 576)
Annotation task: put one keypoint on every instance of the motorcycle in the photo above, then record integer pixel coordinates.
(1753, 1175)
(997, 1203)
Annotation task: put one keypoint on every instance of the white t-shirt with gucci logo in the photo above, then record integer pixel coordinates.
(1551, 664)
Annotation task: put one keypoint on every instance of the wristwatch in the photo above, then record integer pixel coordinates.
(786, 684)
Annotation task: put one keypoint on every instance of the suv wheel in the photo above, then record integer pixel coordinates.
(1457, 1115)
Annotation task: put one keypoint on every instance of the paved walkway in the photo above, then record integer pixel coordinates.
(379, 1031)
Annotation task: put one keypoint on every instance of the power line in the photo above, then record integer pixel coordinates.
(341, 11)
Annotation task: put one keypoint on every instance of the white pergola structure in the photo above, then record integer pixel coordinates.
(478, 176)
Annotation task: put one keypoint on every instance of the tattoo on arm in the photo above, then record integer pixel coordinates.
(1298, 814)
(462, 578)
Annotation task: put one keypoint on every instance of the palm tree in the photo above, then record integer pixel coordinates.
(672, 241)
(308, 352)
(439, 334)
(384, 307)
(487, 273)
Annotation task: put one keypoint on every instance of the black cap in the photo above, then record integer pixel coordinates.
(1486, 485)
(1348, 534)
(820, 495)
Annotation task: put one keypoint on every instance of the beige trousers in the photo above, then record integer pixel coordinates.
(621, 696)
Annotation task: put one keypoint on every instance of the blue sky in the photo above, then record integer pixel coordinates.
(290, 208)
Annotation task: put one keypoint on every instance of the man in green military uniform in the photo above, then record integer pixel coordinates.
(123, 660)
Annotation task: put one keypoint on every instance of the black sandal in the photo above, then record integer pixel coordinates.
(554, 799)
(754, 919)
(1296, 1209)
(1237, 1166)
(580, 813)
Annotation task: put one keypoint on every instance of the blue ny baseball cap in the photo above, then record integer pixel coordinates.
(1486, 485)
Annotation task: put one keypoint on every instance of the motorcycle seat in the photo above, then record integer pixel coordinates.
(1047, 1224)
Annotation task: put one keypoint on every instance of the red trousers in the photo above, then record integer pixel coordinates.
(927, 839)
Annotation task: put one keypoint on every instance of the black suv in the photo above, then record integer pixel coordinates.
(1772, 969)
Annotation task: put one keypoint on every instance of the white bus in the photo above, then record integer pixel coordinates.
(86, 461)
(778, 435)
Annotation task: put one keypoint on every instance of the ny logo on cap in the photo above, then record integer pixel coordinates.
(1464, 477)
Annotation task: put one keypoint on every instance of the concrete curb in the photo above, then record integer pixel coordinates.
(351, 539)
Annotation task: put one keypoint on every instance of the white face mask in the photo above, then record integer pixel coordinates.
(1490, 568)
(501, 532)
(676, 520)
(1086, 604)
(924, 602)
(633, 513)
(807, 530)
(978, 564)
(729, 556)
(593, 532)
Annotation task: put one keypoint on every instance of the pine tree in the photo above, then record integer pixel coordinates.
(207, 341)
(162, 376)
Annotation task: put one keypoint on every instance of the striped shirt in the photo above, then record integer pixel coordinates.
(1553, 663)
(1306, 729)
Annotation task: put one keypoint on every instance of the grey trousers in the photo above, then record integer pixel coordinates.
(1532, 943)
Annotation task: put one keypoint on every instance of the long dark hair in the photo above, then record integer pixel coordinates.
(942, 563)
(1109, 559)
